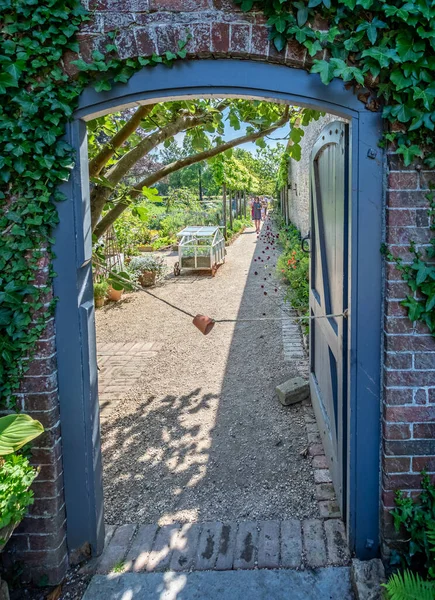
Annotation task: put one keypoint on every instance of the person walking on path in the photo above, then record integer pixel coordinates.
(256, 213)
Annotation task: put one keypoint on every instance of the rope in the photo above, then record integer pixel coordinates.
(238, 320)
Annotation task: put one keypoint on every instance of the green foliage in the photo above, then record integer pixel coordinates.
(100, 289)
(148, 262)
(417, 519)
(132, 229)
(420, 276)
(16, 477)
(294, 149)
(16, 431)
(387, 47)
(409, 586)
(239, 225)
(38, 98)
(293, 266)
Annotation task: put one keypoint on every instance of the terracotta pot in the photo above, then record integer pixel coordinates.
(99, 302)
(147, 278)
(113, 294)
(203, 323)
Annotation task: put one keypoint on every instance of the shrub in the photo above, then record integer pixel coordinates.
(100, 289)
(417, 518)
(150, 263)
(16, 477)
(293, 267)
(130, 232)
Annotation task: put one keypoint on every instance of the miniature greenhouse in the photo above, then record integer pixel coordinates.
(200, 248)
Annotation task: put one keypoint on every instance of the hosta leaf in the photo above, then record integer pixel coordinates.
(16, 431)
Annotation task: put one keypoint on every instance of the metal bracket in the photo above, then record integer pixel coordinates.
(372, 153)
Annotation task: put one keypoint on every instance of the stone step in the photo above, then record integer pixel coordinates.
(332, 583)
(246, 545)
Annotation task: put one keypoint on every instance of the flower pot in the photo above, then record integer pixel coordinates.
(203, 323)
(5, 534)
(113, 294)
(99, 302)
(147, 278)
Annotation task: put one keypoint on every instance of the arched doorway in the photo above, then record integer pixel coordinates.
(77, 370)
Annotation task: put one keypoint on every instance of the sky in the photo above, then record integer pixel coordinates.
(230, 134)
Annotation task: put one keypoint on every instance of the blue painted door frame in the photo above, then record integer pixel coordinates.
(75, 319)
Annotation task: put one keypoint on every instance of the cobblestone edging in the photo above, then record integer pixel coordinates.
(291, 544)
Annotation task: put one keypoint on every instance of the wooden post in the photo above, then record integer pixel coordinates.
(230, 194)
(244, 203)
(224, 208)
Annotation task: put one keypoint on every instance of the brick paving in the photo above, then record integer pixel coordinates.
(294, 544)
(120, 365)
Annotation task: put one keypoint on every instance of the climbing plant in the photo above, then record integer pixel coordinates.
(385, 49)
(37, 99)
(420, 276)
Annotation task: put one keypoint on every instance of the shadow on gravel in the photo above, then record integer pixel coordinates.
(244, 463)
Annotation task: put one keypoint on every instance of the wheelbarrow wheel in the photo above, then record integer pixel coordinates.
(177, 269)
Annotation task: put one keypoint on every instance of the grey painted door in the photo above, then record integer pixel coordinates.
(329, 295)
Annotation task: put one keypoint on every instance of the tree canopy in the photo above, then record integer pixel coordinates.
(119, 142)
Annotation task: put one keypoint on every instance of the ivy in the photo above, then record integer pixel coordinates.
(37, 99)
(385, 49)
(420, 276)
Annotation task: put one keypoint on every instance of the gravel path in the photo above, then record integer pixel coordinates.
(201, 436)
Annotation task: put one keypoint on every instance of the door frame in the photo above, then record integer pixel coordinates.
(75, 319)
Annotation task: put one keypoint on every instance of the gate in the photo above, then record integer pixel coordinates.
(329, 276)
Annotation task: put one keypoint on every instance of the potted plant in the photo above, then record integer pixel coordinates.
(146, 269)
(16, 473)
(117, 282)
(100, 292)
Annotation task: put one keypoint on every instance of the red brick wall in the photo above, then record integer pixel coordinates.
(409, 370)
(219, 29)
(39, 542)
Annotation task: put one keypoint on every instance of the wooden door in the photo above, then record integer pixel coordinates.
(329, 275)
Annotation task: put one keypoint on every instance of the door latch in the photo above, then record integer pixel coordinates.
(303, 240)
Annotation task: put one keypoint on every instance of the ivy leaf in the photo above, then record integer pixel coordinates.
(409, 153)
(407, 49)
(371, 28)
(402, 112)
(382, 55)
(426, 96)
(102, 86)
(415, 308)
(325, 70)
(302, 13)
(279, 42)
(400, 81)
(7, 80)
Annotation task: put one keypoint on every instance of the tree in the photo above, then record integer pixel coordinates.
(118, 142)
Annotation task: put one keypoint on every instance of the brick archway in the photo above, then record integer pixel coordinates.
(221, 31)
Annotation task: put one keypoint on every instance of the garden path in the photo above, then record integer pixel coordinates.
(194, 432)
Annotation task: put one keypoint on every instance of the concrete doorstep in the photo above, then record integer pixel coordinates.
(330, 583)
